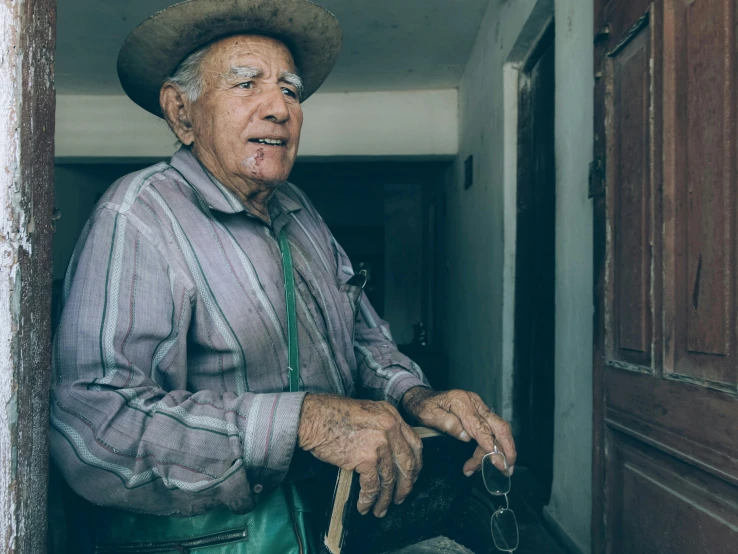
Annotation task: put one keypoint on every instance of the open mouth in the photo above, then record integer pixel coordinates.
(269, 142)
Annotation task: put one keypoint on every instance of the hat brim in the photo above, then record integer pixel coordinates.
(154, 50)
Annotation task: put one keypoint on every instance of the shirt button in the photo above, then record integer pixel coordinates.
(258, 489)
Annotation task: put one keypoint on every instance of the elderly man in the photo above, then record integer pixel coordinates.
(211, 324)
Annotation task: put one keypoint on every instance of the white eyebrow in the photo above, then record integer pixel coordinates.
(244, 71)
(294, 80)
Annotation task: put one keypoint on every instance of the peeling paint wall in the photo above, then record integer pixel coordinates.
(27, 36)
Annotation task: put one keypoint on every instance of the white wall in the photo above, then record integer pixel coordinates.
(571, 500)
(474, 239)
(408, 123)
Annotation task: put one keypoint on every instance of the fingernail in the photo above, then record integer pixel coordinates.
(465, 436)
(384, 513)
(401, 501)
(469, 473)
(510, 470)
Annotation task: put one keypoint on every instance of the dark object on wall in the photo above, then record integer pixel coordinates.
(469, 172)
(432, 508)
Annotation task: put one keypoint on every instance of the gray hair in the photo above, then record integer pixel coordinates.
(188, 77)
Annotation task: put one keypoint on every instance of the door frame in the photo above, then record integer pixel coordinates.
(599, 225)
(27, 105)
(527, 382)
(539, 23)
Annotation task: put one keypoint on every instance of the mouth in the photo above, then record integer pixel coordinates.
(270, 142)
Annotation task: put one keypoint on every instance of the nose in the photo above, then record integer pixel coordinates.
(274, 106)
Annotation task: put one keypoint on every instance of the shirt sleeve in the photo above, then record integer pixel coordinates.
(125, 430)
(385, 373)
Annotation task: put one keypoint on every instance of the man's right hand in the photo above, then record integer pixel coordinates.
(368, 437)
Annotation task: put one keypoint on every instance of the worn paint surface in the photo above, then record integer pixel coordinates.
(27, 36)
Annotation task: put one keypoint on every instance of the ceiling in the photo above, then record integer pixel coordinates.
(388, 44)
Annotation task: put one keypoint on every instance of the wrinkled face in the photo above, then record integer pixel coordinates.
(246, 124)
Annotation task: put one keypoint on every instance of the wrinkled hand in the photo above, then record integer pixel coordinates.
(464, 415)
(368, 437)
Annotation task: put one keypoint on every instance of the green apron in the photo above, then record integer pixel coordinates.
(281, 523)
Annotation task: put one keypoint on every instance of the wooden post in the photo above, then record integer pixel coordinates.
(27, 103)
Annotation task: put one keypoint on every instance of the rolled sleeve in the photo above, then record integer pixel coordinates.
(385, 372)
(272, 437)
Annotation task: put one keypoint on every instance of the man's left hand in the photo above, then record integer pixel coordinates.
(464, 415)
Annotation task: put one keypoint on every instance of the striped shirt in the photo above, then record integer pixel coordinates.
(170, 360)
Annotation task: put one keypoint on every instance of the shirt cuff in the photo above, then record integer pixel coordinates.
(270, 438)
(400, 383)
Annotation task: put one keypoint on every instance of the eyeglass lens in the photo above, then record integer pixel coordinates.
(505, 530)
(496, 481)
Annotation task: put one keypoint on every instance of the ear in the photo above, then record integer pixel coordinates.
(176, 109)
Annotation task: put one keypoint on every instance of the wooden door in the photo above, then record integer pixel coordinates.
(666, 341)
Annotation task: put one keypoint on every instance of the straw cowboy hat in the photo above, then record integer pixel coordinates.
(154, 50)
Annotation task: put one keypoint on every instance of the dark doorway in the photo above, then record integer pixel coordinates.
(535, 265)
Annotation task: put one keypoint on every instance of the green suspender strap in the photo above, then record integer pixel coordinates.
(293, 364)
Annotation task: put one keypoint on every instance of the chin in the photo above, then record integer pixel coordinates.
(266, 170)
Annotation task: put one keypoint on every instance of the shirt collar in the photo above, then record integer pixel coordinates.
(215, 194)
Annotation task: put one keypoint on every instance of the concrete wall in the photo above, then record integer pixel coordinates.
(571, 498)
(405, 123)
(473, 240)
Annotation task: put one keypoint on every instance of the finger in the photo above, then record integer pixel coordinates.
(477, 426)
(452, 425)
(503, 433)
(485, 432)
(500, 429)
(387, 480)
(416, 445)
(474, 463)
(369, 483)
(406, 466)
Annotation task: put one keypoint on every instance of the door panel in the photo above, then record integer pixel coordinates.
(699, 190)
(669, 416)
(628, 155)
(677, 512)
(666, 371)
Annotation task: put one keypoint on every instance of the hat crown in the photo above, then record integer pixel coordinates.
(154, 49)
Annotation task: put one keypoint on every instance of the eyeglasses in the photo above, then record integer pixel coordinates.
(504, 524)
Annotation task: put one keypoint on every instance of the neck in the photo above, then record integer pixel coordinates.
(254, 199)
(254, 195)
